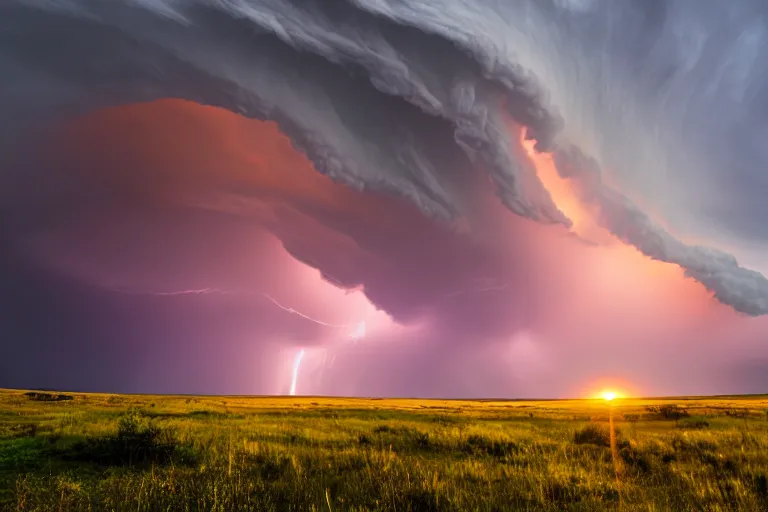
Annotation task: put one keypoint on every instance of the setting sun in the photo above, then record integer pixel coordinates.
(609, 388)
(609, 395)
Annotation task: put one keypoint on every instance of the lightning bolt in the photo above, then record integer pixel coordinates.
(357, 331)
(218, 291)
(201, 291)
(302, 315)
(295, 375)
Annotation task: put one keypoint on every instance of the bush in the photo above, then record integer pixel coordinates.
(761, 485)
(422, 440)
(668, 458)
(593, 434)
(421, 500)
(395, 431)
(637, 459)
(668, 412)
(479, 445)
(693, 424)
(47, 397)
(137, 442)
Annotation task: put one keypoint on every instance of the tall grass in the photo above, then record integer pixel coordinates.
(228, 454)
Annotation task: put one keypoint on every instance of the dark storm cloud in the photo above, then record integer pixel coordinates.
(361, 87)
(195, 187)
(635, 37)
(172, 224)
(352, 133)
(171, 196)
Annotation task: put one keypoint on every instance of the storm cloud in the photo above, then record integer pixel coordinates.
(356, 85)
(379, 143)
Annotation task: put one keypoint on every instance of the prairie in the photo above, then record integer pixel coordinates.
(83, 451)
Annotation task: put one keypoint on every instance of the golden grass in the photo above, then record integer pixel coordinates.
(320, 453)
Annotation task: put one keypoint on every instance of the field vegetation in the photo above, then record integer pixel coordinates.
(73, 451)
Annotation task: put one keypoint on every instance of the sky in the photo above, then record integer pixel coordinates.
(462, 199)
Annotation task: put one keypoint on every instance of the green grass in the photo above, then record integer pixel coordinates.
(125, 452)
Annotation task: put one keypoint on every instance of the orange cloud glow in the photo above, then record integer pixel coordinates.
(564, 195)
(688, 296)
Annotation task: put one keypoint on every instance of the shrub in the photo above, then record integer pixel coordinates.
(668, 412)
(422, 440)
(203, 413)
(761, 485)
(636, 458)
(422, 500)
(47, 397)
(137, 442)
(668, 457)
(693, 424)
(593, 434)
(479, 445)
(386, 429)
(720, 462)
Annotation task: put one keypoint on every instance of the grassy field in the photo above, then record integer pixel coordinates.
(124, 452)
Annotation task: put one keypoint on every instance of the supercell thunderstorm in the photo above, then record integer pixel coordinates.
(652, 111)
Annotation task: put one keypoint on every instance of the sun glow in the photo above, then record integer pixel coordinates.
(609, 389)
(609, 394)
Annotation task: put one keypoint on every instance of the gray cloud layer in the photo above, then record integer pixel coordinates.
(374, 91)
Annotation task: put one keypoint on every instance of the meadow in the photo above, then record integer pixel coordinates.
(75, 451)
